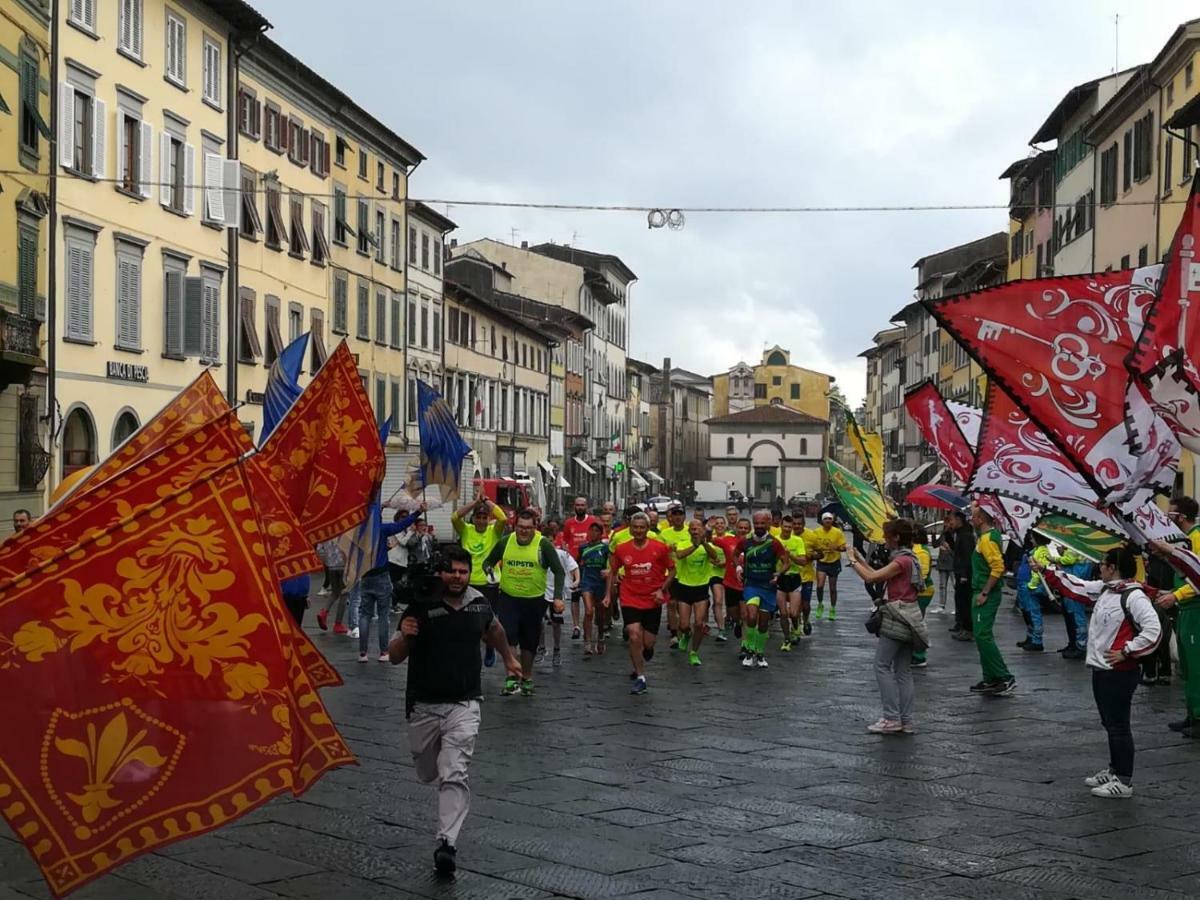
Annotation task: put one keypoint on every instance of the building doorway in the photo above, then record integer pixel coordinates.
(765, 482)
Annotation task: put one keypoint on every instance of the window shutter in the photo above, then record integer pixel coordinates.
(193, 317)
(129, 288)
(66, 125)
(339, 304)
(85, 292)
(74, 291)
(99, 135)
(210, 325)
(232, 180)
(137, 26)
(189, 179)
(173, 314)
(89, 13)
(125, 24)
(214, 188)
(27, 298)
(164, 168)
(122, 151)
(144, 159)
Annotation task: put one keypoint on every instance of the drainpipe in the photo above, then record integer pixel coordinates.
(52, 255)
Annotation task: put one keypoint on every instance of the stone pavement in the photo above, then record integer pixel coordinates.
(722, 782)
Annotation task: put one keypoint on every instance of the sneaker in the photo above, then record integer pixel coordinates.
(885, 726)
(540, 655)
(383, 657)
(920, 664)
(1066, 648)
(761, 661)
(1164, 679)
(511, 686)
(339, 628)
(1004, 686)
(795, 636)
(576, 634)
(323, 592)
(737, 630)
(693, 658)
(489, 657)
(833, 614)
(820, 613)
(1033, 648)
(1022, 644)
(444, 858)
(1180, 726)
(741, 654)
(556, 658)
(748, 661)
(323, 620)
(908, 728)
(1114, 790)
(982, 687)
(674, 645)
(785, 647)
(963, 636)
(638, 686)
(721, 636)
(685, 641)
(807, 629)
(1074, 653)
(938, 611)
(1104, 776)
(527, 687)
(353, 632)
(362, 657)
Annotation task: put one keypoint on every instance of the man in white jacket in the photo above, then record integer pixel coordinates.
(1124, 627)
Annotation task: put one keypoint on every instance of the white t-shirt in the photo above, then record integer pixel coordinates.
(571, 568)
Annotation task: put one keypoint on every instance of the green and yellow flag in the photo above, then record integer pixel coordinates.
(869, 447)
(863, 503)
(1086, 540)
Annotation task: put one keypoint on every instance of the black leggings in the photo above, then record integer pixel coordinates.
(1113, 690)
(962, 604)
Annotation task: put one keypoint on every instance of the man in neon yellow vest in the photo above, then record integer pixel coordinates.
(526, 559)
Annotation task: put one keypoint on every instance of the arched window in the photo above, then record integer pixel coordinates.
(79, 441)
(776, 358)
(126, 425)
(729, 445)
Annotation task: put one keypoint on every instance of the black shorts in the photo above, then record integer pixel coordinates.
(491, 593)
(789, 584)
(649, 619)
(733, 596)
(522, 620)
(716, 579)
(690, 593)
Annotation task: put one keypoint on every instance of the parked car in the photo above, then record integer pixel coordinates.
(659, 504)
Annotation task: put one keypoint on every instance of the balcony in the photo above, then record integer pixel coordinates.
(20, 349)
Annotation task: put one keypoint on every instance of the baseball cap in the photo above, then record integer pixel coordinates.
(674, 506)
(827, 517)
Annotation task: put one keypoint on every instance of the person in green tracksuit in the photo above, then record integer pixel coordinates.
(1184, 511)
(987, 574)
(920, 548)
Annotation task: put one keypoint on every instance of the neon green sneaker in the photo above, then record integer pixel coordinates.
(693, 658)
(785, 647)
(685, 641)
(511, 686)
(820, 613)
(833, 614)
(527, 687)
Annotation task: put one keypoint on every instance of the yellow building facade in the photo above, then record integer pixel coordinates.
(1176, 70)
(25, 160)
(774, 381)
(142, 268)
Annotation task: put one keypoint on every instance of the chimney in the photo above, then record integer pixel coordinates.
(453, 243)
(524, 245)
(504, 266)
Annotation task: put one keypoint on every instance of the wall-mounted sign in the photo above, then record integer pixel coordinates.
(255, 397)
(119, 371)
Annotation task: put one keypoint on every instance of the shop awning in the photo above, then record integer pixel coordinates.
(637, 477)
(579, 462)
(563, 483)
(545, 467)
(900, 477)
(938, 476)
(917, 471)
(654, 476)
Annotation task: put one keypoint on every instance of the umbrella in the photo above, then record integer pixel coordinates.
(936, 496)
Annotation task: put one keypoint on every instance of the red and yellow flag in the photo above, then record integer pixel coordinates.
(149, 685)
(325, 454)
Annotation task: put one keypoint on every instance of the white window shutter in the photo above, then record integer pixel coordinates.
(121, 150)
(214, 188)
(145, 159)
(66, 125)
(164, 168)
(136, 13)
(89, 13)
(232, 180)
(189, 179)
(99, 137)
(124, 25)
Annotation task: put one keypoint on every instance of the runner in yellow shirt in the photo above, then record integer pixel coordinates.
(808, 574)
(788, 582)
(829, 542)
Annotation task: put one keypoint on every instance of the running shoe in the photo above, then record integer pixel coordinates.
(748, 661)
(353, 632)
(685, 641)
(556, 659)
(362, 657)
(981, 687)
(527, 687)
(820, 613)
(807, 628)
(587, 649)
(638, 686)
(920, 664)
(576, 634)
(339, 628)
(908, 728)
(444, 858)
(760, 661)
(796, 633)
(489, 657)
(511, 686)
(674, 645)
(1113, 790)
(721, 636)
(693, 658)
(540, 655)
(1104, 776)
(833, 614)
(323, 592)
(885, 726)
(384, 658)
(1004, 686)
(323, 620)
(785, 647)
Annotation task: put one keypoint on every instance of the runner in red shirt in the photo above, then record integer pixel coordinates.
(574, 534)
(729, 607)
(648, 570)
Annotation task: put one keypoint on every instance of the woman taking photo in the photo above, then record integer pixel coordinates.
(1124, 627)
(901, 628)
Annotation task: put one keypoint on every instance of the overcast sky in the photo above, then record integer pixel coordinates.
(677, 103)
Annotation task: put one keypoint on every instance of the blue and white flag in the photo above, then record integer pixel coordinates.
(283, 385)
(442, 447)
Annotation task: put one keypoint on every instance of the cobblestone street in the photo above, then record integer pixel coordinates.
(722, 782)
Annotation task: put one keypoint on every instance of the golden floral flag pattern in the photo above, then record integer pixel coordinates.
(325, 454)
(150, 684)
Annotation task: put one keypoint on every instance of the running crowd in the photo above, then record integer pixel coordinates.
(729, 577)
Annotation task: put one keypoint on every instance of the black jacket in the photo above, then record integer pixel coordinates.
(964, 548)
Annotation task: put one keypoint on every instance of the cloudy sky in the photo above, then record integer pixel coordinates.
(687, 103)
